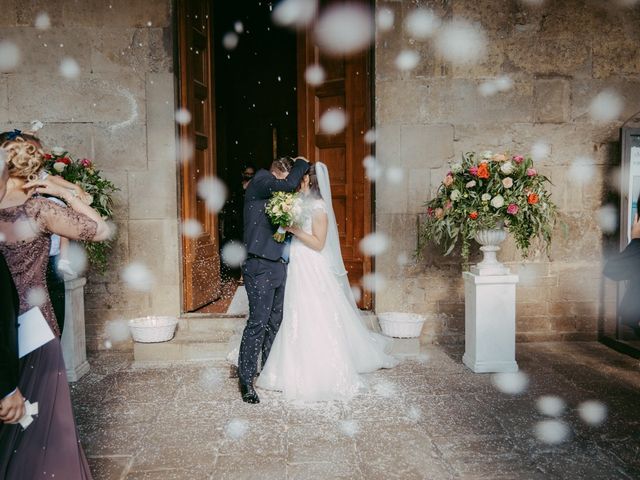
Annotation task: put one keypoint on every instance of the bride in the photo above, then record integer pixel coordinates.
(322, 345)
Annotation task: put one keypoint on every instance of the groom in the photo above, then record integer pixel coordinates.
(265, 270)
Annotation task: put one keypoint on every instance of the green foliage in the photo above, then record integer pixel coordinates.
(485, 191)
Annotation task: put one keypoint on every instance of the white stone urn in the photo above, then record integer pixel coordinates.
(490, 239)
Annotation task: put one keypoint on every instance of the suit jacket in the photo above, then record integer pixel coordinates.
(258, 230)
(9, 308)
(626, 266)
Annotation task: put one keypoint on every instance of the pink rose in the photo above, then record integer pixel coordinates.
(448, 180)
(531, 172)
(448, 205)
(518, 159)
(86, 163)
(474, 171)
(512, 209)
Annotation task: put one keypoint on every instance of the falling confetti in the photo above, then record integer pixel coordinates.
(349, 427)
(402, 259)
(314, 75)
(374, 243)
(385, 19)
(373, 169)
(461, 42)
(540, 150)
(370, 136)
(237, 428)
(43, 22)
(36, 296)
(295, 13)
(186, 150)
(414, 414)
(511, 383)
(233, 254)
(117, 331)
(108, 345)
(407, 60)
(69, 68)
(395, 175)
(593, 412)
(191, 228)
(357, 293)
(608, 218)
(230, 40)
(183, 116)
(385, 388)
(213, 191)
(374, 282)
(333, 121)
(210, 379)
(9, 56)
(552, 432)
(503, 83)
(550, 405)
(138, 277)
(238, 27)
(421, 23)
(344, 29)
(606, 106)
(77, 256)
(582, 170)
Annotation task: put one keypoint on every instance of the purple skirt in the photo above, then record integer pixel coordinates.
(50, 446)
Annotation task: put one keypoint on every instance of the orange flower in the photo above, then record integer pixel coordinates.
(532, 198)
(473, 215)
(483, 170)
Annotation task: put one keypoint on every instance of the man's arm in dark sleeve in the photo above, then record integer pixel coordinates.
(8, 334)
(625, 264)
(265, 187)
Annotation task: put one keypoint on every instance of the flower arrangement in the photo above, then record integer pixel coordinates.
(283, 209)
(485, 191)
(83, 173)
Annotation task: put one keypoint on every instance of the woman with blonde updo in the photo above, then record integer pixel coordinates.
(27, 220)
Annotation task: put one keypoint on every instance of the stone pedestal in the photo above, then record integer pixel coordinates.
(74, 343)
(490, 322)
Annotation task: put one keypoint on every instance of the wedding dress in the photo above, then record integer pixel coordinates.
(322, 345)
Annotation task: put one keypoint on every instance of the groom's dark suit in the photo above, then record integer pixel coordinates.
(265, 270)
(9, 306)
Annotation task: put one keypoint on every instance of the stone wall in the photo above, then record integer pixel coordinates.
(559, 56)
(119, 111)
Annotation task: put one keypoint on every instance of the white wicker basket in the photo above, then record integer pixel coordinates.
(401, 325)
(153, 329)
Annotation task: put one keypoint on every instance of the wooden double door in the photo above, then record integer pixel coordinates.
(347, 87)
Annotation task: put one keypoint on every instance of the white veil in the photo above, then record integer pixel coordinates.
(331, 250)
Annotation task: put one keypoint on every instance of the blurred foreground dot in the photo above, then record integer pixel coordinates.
(238, 27)
(314, 75)
(511, 383)
(422, 23)
(395, 175)
(43, 22)
(77, 256)
(384, 388)
(333, 121)
(230, 40)
(593, 412)
(9, 56)
(108, 345)
(349, 427)
(36, 296)
(191, 228)
(582, 170)
(295, 13)
(461, 42)
(372, 168)
(69, 68)
(186, 150)
(117, 331)
(183, 116)
(407, 60)
(550, 405)
(540, 150)
(210, 379)
(384, 19)
(233, 254)
(497, 85)
(551, 432)
(402, 259)
(606, 106)
(608, 218)
(138, 277)
(237, 428)
(213, 191)
(370, 136)
(344, 29)
(357, 293)
(374, 282)
(374, 243)
(414, 414)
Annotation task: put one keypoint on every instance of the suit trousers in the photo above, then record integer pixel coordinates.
(264, 281)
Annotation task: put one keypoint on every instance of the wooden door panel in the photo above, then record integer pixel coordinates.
(346, 87)
(200, 255)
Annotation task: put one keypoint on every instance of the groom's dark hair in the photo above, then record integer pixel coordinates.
(282, 164)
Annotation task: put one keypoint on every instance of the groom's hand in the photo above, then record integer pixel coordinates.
(12, 408)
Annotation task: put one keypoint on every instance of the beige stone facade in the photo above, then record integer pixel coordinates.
(120, 111)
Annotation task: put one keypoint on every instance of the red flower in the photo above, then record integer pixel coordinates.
(86, 163)
(473, 215)
(48, 156)
(532, 198)
(430, 212)
(483, 170)
(65, 160)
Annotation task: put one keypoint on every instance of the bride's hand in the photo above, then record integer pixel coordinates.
(46, 187)
(293, 230)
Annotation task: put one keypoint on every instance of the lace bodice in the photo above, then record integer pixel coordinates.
(310, 209)
(25, 232)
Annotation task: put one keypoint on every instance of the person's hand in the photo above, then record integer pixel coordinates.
(635, 228)
(47, 187)
(12, 408)
(302, 158)
(292, 230)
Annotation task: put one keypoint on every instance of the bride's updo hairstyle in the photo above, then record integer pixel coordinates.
(23, 154)
(314, 188)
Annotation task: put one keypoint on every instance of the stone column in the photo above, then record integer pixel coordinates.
(74, 344)
(490, 322)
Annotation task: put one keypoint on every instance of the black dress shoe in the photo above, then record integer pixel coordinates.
(248, 393)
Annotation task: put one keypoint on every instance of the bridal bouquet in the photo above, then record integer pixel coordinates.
(83, 173)
(486, 191)
(283, 209)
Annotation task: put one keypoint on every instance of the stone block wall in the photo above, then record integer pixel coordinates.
(559, 56)
(120, 112)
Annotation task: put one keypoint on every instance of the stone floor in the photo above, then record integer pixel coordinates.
(429, 418)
